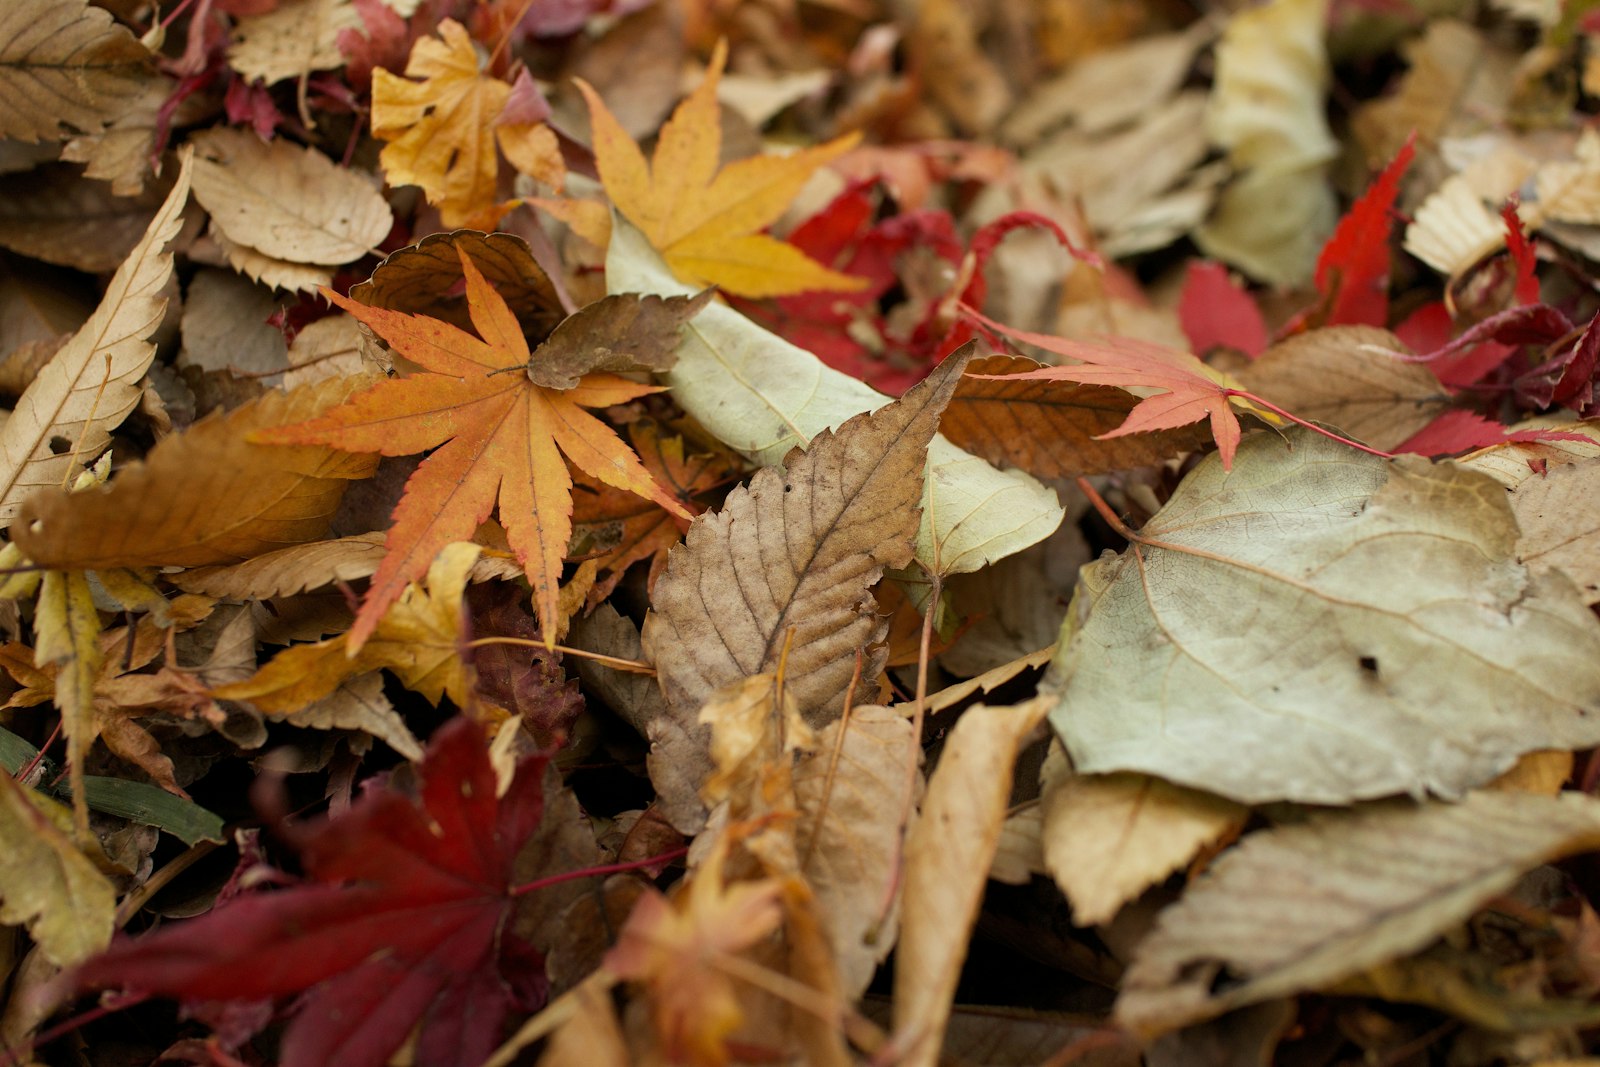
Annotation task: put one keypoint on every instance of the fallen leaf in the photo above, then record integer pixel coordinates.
(123, 152)
(66, 65)
(1268, 111)
(401, 923)
(357, 703)
(702, 221)
(947, 858)
(1302, 906)
(418, 638)
(55, 214)
(1049, 427)
(286, 202)
(293, 39)
(442, 128)
(1190, 390)
(67, 904)
(204, 496)
(762, 396)
(783, 571)
(1217, 312)
(1353, 269)
(503, 437)
(64, 418)
(1109, 838)
(1558, 514)
(849, 791)
(1346, 377)
(1378, 635)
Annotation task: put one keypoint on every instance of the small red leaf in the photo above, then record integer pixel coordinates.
(1353, 270)
(1216, 312)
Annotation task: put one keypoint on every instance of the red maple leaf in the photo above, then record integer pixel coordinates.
(1353, 269)
(402, 920)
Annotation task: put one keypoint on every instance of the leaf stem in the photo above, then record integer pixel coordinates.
(632, 666)
(1313, 427)
(593, 872)
(1122, 529)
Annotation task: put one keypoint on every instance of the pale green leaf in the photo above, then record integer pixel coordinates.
(46, 882)
(1325, 626)
(762, 396)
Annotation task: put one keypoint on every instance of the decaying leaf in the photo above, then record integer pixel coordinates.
(1303, 906)
(293, 39)
(947, 860)
(64, 418)
(285, 202)
(65, 64)
(205, 496)
(1378, 635)
(46, 882)
(1556, 506)
(783, 571)
(1109, 838)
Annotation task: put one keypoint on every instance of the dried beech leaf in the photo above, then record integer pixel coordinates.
(1049, 428)
(1342, 376)
(1452, 229)
(1557, 508)
(615, 333)
(1378, 635)
(1108, 839)
(286, 202)
(947, 859)
(91, 384)
(357, 704)
(268, 270)
(848, 834)
(204, 496)
(1301, 907)
(65, 63)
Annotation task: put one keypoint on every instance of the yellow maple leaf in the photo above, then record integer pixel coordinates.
(442, 130)
(704, 221)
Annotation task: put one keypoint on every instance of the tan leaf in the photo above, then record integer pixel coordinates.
(1543, 772)
(327, 348)
(268, 270)
(1303, 906)
(204, 496)
(1452, 229)
(591, 1036)
(1378, 634)
(286, 202)
(947, 858)
(357, 704)
(850, 791)
(796, 550)
(293, 39)
(959, 76)
(124, 152)
(1343, 376)
(65, 63)
(56, 214)
(749, 734)
(1558, 512)
(46, 882)
(1108, 839)
(225, 328)
(91, 384)
(1450, 65)
(1049, 428)
(68, 632)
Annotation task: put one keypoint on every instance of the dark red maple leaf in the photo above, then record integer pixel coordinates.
(402, 920)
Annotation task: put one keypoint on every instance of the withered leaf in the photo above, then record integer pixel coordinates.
(56, 214)
(1301, 907)
(65, 63)
(615, 333)
(204, 496)
(797, 550)
(1050, 428)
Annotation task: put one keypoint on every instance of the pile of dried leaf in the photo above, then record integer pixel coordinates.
(472, 596)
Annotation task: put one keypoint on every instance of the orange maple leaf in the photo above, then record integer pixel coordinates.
(442, 130)
(702, 221)
(502, 436)
(1190, 390)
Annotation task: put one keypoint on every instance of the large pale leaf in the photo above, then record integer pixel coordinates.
(783, 572)
(762, 396)
(46, 882)
(947, 860)
(204, 496)
(1301, 907)
(64, 418)
(65, 63)
(1325, 626)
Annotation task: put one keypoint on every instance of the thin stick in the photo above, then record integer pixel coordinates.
(159, 880)
(632, 666)
(1313, 427)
